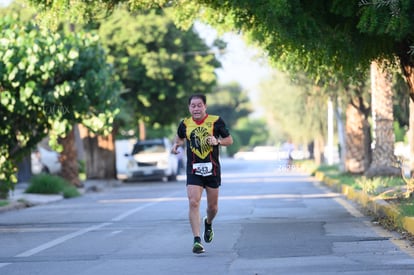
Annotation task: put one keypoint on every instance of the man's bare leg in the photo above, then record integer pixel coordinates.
(194, 193)
(212, 203)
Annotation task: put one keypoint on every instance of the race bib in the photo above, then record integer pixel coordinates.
(203, 169)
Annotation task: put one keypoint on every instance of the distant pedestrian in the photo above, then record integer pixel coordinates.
(288, 149)
(203, 133)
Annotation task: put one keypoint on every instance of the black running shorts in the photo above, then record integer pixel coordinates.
(209, 181)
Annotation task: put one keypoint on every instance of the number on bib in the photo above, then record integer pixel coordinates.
(203, 169)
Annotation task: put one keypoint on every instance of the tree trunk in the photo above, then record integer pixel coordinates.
(383, 158)
(341, 136)
(407, 67)
(142, 130)
(319, 145)
(99, 154)
(69, 160)
(358, 139)
(330, 146)
(24, 169)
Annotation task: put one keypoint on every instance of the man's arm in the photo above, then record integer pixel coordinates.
(177, 143)
(220, 141)
(227, 141)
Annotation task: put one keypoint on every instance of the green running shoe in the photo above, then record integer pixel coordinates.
(208, 231)
(198, 248)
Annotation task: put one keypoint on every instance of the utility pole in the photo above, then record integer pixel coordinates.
(330, 132)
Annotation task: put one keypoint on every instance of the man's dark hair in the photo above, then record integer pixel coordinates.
(200, 96)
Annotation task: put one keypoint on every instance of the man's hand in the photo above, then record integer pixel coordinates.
(213, 141)
(174, 149)
(177, 143)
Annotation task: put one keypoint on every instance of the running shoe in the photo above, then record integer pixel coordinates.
(198, 248)
(208, 231)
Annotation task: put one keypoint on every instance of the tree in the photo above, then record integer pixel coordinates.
(159, 65)
(48, 82)
(319, 37)
(382, 108)
(252, 132)
(230, 102)
(358, 132)
(233, 104)
(296, 104)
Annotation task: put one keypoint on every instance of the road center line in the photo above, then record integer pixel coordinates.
(78, 233)
(133, 211)
(60, 240)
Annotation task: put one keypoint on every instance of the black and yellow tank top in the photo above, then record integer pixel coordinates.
(201, 155)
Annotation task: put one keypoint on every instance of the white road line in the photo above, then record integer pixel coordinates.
(60, 240)
(132, 211)
(113, 233)
(78, 233)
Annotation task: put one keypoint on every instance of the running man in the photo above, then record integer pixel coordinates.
(204, 134)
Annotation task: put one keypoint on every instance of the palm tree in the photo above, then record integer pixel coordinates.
(358, 138)
(383, 158)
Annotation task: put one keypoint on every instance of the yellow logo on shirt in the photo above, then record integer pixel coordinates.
(197, 134)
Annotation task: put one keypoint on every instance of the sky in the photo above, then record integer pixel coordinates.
(240, 63)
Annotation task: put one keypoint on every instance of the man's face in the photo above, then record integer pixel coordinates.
(197, 109)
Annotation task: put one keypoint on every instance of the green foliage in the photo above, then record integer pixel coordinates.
(233, 105)
(48, 82)
(46, 184)
(407, 208)
(319, 37)
(54, 12)
(7, 173)
(51, 184)
(70, 191)
(374, 186)
(383, 187)
(391, 18)
(399, 132)
(235, 147)
(295, 110)
(4, 189)
(159, 65)
(230, 102)
(401, 109)
(252, 132)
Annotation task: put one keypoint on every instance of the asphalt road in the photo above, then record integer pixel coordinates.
(270, 221)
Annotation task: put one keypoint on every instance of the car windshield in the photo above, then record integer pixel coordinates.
(143, 148)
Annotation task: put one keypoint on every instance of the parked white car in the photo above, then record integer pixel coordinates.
(151, 159)
(45, 161)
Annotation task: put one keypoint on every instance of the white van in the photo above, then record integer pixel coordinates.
(45, 161)
(151, 159)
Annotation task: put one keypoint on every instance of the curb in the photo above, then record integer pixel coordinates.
(29, 200)
(12, 206)
(378, 207)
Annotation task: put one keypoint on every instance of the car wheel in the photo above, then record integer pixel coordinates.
(172, 178)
